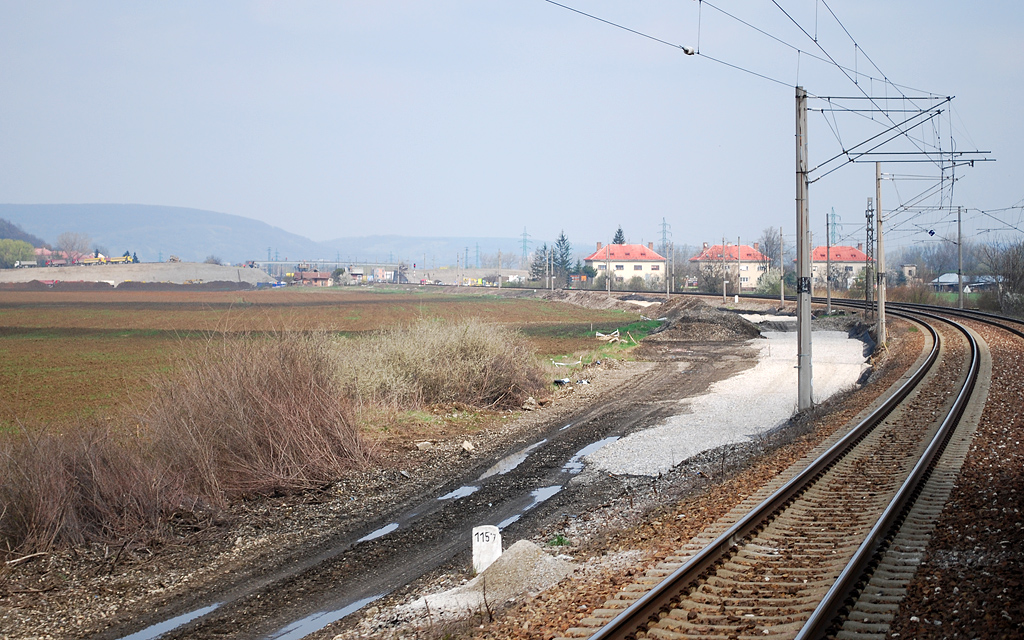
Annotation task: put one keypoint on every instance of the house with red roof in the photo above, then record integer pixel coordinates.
(625, 261)
(847, 263)
(741, 263)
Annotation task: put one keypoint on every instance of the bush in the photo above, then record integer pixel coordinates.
(57, 489)
(431, 362)
(917, 293)
(256, 415)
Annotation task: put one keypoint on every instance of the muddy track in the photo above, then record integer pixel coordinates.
(363, 559)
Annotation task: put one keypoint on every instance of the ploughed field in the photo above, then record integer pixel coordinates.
(65, 353)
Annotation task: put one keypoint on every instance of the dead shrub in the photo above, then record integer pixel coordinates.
(243, 415)
(916, 293)
(256, 415)
(61, 489)
(430, 362)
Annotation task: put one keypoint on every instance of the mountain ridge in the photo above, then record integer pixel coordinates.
(156, 232)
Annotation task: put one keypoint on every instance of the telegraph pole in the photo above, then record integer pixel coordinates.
(739, 278)
(869, 256)
(668, 273)
(608, 269)
(723, 269)
(828, 264)
(803, 255)
(959, 261)
(782, 272)
(881, 254)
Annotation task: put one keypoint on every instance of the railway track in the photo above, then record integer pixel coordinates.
(828, 547)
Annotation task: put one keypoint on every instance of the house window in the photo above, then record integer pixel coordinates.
(620, 267)
(638, 267)
(601, 267)
(655, 267)
(744, 279)
(618, 279)
(744, 267)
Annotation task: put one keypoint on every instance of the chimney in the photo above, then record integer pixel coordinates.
(860, 246)
(755, 246)
(598, 246)
(650, 245)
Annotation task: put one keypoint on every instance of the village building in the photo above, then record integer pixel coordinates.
(847, 263)
(741, 263)
(626, 261)
(312, 278)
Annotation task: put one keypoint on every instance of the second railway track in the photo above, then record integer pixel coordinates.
(791, 560)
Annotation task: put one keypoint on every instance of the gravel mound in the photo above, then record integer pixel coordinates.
(115, 274)
(691, 320)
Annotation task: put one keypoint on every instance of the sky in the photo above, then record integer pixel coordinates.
(497, 117)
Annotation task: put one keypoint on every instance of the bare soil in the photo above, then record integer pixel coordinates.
(273, 560)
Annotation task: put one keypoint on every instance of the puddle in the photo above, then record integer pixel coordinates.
(507, 521)
(161, 628)
(317, 621)
(508, 463)
(461, 492)
(383, 531)
(575, 464)
(542, 494)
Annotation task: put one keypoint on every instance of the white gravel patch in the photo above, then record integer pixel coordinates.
(734, 410)
(761, 317)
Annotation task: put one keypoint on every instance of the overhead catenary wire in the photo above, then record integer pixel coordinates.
(932, 150)
(683, 48)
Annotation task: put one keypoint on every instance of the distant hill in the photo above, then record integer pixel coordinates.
(11, 231)
(153, 232)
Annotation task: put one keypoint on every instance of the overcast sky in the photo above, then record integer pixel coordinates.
(463, 118)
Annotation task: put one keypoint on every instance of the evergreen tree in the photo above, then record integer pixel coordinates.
(562, 255)
(538, 268)
(620, 238)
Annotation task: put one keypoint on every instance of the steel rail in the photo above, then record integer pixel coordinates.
(648, 607)
(991, 319)
(823, 618)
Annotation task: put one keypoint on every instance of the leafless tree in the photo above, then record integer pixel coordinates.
(770, 248)
(1006, 263)
(74, 244)
(710, 277)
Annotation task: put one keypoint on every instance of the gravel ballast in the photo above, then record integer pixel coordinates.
(737, 409)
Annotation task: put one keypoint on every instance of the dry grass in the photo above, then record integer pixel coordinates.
(239, 416)
(918, 293)
(431, 362)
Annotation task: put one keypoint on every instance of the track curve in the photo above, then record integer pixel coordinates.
(793, 565)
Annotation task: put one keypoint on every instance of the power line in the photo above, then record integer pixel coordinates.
(687, 50)
(618, 26)
(802, 51)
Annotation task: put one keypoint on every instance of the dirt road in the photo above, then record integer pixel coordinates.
(265, 593)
